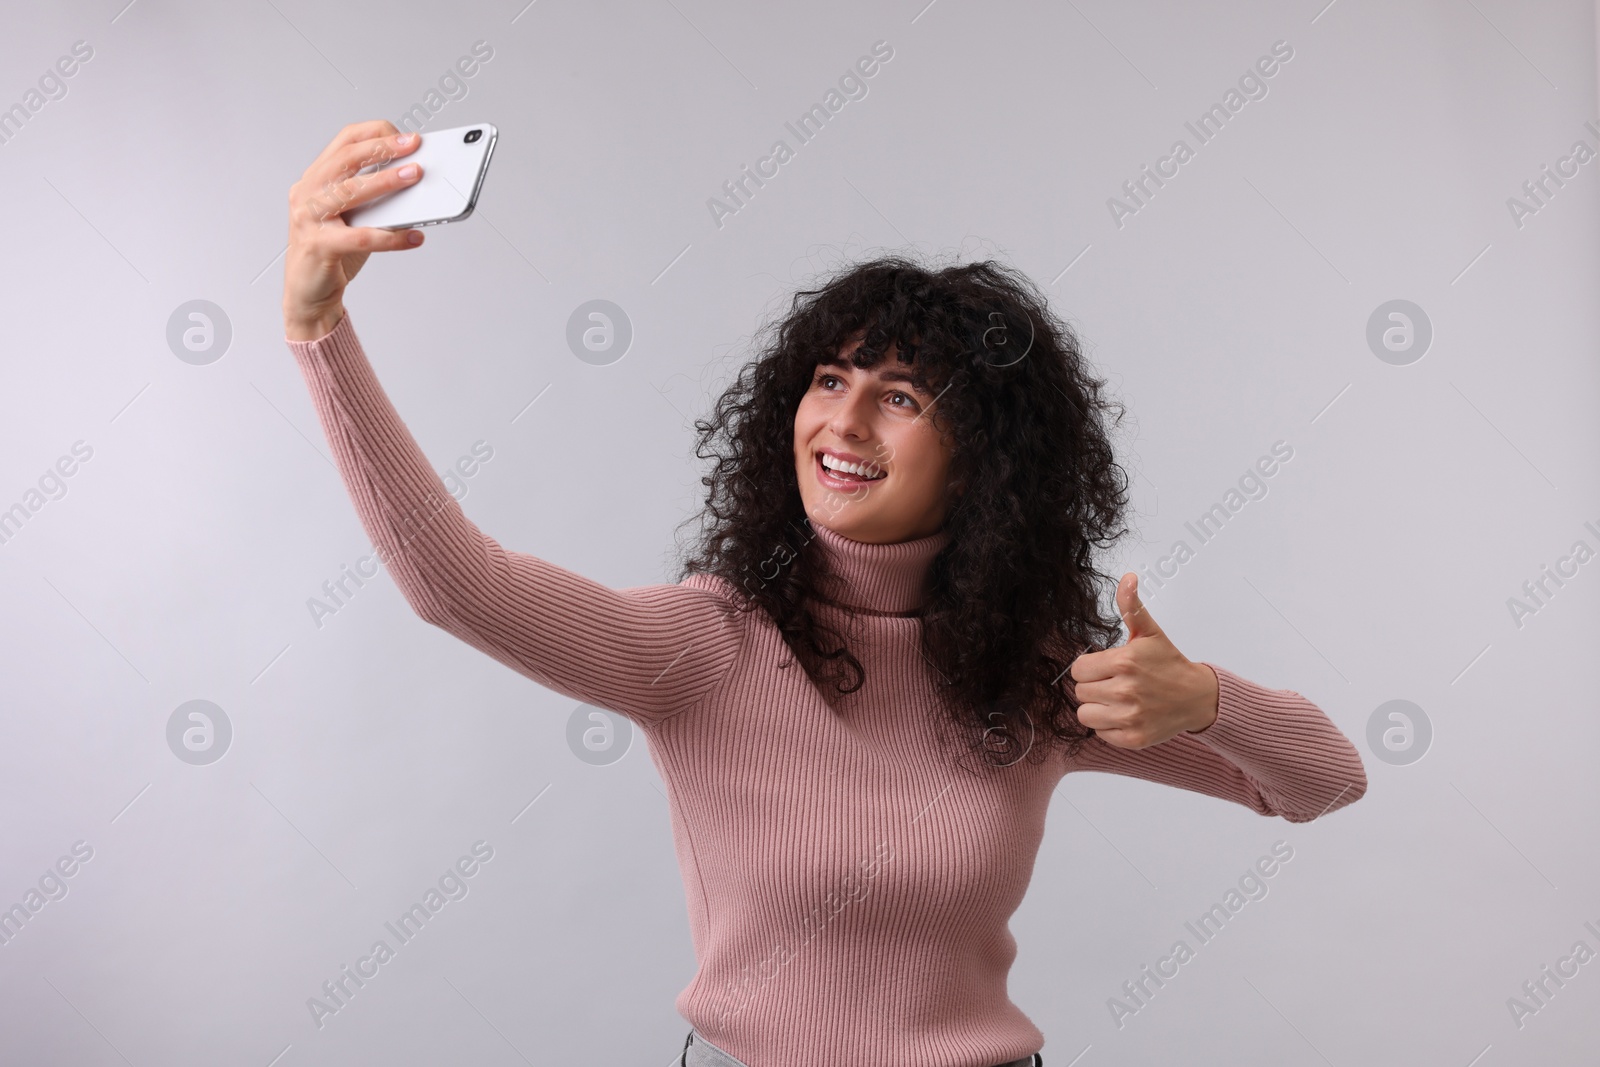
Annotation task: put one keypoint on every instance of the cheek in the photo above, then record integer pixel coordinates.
(805, 424)
(804, 433)
(920, 458)
(930, 464)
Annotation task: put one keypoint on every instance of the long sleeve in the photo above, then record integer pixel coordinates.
(646, 652)
(1271, 750)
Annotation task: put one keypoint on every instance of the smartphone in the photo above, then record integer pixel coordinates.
(453, 163)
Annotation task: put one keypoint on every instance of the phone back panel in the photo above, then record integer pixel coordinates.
(452, 173)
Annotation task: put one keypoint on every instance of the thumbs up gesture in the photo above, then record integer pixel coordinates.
(1145, 691)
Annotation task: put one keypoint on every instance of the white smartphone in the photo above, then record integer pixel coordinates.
(453, 165)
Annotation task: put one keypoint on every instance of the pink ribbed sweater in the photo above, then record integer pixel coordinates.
(848, 888)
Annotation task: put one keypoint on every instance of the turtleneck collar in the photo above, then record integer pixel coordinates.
(879, 578)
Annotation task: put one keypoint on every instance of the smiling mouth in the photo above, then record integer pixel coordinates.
(837, 473)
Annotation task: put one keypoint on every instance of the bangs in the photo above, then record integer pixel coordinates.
(929, 370)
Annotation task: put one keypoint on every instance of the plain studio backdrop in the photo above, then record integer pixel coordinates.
(1419, 545)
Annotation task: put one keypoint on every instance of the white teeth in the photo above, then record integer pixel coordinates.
(835, 464)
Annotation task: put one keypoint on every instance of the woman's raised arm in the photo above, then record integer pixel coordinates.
(647, 652)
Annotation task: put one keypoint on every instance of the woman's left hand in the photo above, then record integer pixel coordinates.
(1145, 691)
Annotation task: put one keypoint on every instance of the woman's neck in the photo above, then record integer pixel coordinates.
(886, 578)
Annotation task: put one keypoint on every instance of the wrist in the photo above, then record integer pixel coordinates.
(1206, 702)
(311, 324)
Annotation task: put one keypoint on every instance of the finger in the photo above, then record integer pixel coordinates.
(349, 161)
(347, 195)
(1111, 731)
(1120, 738)
(357, 131)
(351, 239)
(331, 199)
(1134, 614)
(334, 186)
(1095, 693)
(1097, 717)
(1095, 666)
(335, 180)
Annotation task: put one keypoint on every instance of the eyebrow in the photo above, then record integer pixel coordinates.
(886, 375)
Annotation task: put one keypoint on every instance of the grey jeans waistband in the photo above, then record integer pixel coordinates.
(698, 1052)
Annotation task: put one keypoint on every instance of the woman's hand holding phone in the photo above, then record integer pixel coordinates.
(324, 252)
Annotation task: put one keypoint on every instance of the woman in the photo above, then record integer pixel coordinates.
(859, 694)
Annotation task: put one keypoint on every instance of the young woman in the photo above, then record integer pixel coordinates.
(887, 652)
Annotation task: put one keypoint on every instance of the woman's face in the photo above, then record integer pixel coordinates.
(878, 421)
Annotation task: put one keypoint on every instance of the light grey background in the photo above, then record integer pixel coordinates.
(1230, 313)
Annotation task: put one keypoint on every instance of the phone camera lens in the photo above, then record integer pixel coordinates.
(472, 135)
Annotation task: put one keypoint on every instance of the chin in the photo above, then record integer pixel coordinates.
(840, 521)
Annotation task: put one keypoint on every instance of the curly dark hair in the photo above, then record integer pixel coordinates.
(1015, 594)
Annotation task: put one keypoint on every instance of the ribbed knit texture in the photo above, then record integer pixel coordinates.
(848, 887)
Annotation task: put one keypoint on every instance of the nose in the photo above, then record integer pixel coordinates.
(850, 418)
